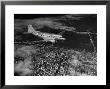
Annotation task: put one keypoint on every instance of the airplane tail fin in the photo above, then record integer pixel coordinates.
(30, 29)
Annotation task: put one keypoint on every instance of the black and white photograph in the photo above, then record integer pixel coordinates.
(55, 44)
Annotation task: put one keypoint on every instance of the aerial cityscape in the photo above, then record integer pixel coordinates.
(55, 44)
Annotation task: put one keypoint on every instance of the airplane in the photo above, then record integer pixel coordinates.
(46, 36)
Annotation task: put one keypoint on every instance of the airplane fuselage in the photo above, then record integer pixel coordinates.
(45, 36)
